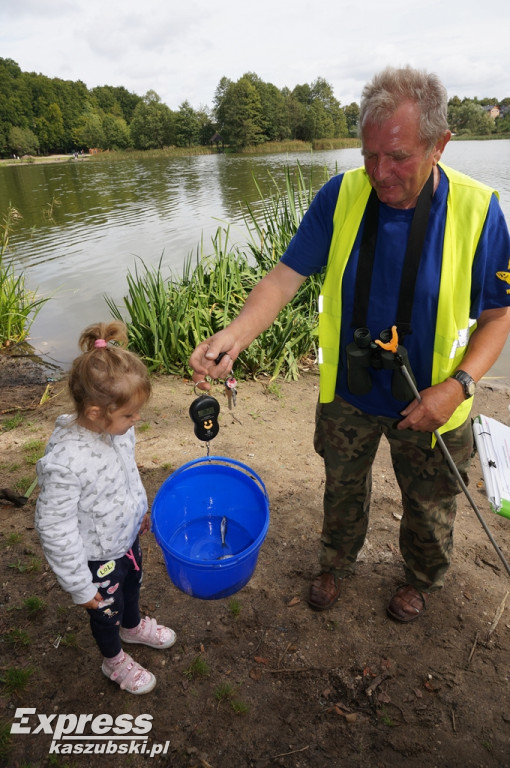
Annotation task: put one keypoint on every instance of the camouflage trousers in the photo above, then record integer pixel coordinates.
(347, 439)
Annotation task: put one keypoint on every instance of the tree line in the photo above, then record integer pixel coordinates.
(42, 115)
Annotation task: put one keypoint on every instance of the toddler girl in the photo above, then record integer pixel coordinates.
(92, 505)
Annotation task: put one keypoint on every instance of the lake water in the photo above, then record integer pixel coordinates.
(86, 224)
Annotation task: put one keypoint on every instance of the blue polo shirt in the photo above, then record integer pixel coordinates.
(308, 254)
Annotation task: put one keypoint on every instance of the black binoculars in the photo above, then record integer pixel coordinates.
(363, 354)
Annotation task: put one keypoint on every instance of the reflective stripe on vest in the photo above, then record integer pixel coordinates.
(466, 211)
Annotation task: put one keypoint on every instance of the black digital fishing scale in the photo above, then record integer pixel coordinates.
(204, 413)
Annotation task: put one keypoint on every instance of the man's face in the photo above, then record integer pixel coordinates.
(397, 162)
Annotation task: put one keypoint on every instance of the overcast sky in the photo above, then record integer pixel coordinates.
(182, 49)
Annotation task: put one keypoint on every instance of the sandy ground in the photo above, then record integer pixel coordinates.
(258, 679)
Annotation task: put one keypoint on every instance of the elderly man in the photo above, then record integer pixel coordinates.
(405, 243)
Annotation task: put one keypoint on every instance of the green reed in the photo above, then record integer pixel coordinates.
(18, 305)
(168, 317)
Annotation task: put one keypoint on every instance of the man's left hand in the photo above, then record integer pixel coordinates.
(436, 406)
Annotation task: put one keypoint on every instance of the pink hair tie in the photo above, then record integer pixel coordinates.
(100, 343)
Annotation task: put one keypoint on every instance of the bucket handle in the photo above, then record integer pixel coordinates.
(221, 460)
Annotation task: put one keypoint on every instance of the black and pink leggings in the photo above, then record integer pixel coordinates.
(118, 581)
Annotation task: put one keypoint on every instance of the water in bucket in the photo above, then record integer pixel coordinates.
(200, 539)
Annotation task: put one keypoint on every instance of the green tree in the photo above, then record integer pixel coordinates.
(22, 141)
(470, 118)
(50, 129)
(152, 126)
(239, 114)
(296, 114)
(321, 114)
(206, 126)
(89, 133)
(503, 123)
(221, 92)
(187, 126)
(330, 121)
(116, 133)
(15, 102)
(351, 112)
(274, 122)
(116, 101)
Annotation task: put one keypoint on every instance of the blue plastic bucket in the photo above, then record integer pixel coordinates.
(186, 522)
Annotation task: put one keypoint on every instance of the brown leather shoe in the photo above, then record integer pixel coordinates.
(407, 603)
(324, 591)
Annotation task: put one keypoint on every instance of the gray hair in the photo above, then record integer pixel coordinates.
(392, 87)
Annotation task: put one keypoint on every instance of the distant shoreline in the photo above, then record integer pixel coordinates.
(39, 160)
(262, 149)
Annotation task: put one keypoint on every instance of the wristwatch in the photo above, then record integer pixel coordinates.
(467, 381)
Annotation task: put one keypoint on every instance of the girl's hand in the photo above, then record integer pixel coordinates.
(94, 603)
(146, 524)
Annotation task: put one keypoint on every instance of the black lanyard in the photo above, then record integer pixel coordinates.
(411, 261)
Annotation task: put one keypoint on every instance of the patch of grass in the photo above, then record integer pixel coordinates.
(5, 741)
(16, 637)
(34, 606)
(198, 668)
(56, 762)
(16, 679)
(274, 389)
(144, 427)
(33, 450)
(69, 640)
(12, 539)
(239, 707)
(22, 484)
(12, 422)
(33, 565)
(224, 692)
(385, 718)
(234, 607)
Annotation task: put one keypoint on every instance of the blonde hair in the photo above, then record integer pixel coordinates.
(106, 374)
(394, 86)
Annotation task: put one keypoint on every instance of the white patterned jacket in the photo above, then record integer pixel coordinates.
(91, 502)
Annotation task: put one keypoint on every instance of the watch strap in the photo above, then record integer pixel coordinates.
(467, 382)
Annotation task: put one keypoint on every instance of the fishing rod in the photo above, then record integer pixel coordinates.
(392, 346)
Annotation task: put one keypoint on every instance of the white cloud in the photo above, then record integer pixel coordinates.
(182, 50)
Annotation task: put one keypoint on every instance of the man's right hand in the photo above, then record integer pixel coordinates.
(204, 359)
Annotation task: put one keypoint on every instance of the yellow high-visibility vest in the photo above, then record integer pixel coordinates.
(466, 210)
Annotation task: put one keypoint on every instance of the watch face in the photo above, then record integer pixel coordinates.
(467, 382)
